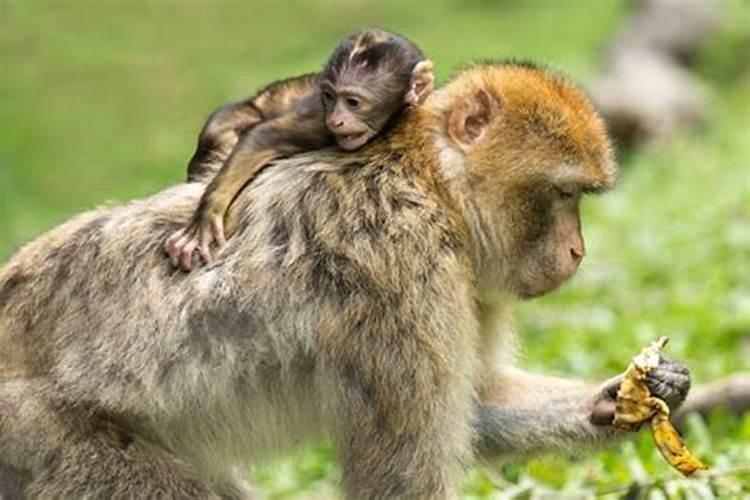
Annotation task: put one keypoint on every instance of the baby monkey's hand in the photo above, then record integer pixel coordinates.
(205, 233)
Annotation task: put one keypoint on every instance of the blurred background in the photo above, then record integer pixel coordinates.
(101, 101)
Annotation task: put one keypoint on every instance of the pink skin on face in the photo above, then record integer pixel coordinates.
(350, 142)
(350, 134)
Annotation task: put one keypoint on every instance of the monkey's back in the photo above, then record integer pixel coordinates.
(94, 308)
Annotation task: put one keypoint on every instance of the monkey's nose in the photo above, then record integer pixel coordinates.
(577, 253)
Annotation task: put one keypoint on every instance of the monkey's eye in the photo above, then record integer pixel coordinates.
(353, 102)
(328, 97)
(565, 193)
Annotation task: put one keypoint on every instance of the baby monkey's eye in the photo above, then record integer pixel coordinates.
(328, 96)
(353, 102)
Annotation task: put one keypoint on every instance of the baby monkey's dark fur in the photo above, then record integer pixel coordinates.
(370, 77)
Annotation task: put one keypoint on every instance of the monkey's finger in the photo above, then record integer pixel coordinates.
(217, 227)
(205, 253)
(670, 387)
(665, 388)
(186, 258)
(666, 364)
(612, 385)
(673, 375)
(676, 379)
(170, 245)
(175, 252)
(204, 249)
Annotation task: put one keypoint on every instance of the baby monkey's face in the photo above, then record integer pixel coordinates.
(355, 115)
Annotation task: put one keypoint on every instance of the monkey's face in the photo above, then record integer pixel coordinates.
(541, 232)
(367, 80)
(527, 162)
(353, 115)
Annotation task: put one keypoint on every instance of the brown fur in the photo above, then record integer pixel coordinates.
(366, 296)
(370, 77)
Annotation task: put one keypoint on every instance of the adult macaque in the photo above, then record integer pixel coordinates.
(366, 296)
(371, 76)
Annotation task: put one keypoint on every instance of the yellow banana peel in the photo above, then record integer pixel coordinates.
(635, 405)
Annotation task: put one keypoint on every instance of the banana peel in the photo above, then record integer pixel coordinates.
(635, 405)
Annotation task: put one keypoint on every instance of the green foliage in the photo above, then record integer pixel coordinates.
(102, 101)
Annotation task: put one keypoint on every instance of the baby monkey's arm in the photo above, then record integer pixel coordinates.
(288, 134)
(219, 135)
(227, 124)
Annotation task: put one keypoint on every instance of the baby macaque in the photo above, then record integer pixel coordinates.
(368, 80)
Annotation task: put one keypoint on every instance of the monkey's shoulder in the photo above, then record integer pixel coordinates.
(360, 206)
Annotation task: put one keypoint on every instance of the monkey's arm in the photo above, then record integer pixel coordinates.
(525, 414)
(288, 134)
(225, 126)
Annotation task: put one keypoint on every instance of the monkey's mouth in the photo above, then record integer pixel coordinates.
(350, 142)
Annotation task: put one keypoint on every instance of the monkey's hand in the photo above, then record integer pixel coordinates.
(669, 381)
(205, 233)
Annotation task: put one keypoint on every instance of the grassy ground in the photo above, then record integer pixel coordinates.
(101, 100)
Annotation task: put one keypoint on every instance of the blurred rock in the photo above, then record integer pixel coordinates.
(644, 97)
(646, 91)
(673, 28)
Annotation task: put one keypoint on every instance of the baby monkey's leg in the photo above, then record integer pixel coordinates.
(422, 83)
(282, 136)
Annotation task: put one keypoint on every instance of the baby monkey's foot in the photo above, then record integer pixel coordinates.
(202, 234)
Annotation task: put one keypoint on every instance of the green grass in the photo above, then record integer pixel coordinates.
(101, 101)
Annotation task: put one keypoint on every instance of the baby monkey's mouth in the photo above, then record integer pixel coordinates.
(350, 142)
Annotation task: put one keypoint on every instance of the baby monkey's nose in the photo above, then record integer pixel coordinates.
(335, 124)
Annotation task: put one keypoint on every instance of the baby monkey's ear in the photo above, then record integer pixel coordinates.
(422, 83)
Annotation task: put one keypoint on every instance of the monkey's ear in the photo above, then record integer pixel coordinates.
(422, 83)
(468, 118)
